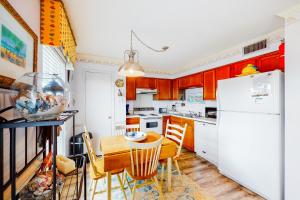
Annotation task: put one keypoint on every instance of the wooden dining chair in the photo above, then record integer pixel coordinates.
(120, 129)
(96, 166)
(132, 127)
(176, 133)
(144, 161)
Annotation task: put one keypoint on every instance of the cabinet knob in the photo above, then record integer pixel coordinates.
(204, 152)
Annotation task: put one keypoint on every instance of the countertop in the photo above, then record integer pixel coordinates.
(198, 119)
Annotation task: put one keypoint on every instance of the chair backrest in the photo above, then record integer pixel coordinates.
(132, 127)
(120, 129)
(90, 150)
(144, 157)
(176, 133)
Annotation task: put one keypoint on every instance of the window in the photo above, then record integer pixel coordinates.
(54, 62)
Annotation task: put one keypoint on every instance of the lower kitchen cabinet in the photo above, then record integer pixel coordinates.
(206, 141)
(188, 141)
(133, 120)
(165, 120)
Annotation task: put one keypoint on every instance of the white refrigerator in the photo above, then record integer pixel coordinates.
(251, 132)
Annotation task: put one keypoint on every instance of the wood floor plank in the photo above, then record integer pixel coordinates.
(209, 178)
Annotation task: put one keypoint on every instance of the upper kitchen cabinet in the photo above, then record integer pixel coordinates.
(175, 89)
(269, 62)
(196, 80)
(184, 82)
(239, 66)
(145, 82)
(130, 89)
(222, 73)
(164, 89)
(209, 85)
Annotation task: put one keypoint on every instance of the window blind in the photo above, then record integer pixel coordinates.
(54, 62)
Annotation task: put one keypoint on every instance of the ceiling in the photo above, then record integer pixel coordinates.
(192, 28)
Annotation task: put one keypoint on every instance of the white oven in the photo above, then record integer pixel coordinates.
(151, 124)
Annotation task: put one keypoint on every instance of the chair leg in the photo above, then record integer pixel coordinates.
(177, 167)
(162, 175)
(161, 196)
(91, 185)
(94, 189)
(122, 186)
(126, 177)
(133, 190)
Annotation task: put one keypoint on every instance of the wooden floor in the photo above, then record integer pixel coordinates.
(209, 178)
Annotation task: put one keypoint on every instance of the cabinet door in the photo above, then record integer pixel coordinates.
(164, 89)
(130, 88)
(196, 80)
(222, 73)
(184, 82)
(188, 141)
(209, 85)
(176, 120)
(175, 89)
(239, 66)
(269, 62)
(152, 83)
(165, 120)
(133, 120)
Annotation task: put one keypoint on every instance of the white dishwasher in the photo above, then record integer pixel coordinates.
(206, 141)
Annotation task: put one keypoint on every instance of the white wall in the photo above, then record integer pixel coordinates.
(292, 111)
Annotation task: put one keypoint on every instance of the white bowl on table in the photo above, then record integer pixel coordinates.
(135, 136)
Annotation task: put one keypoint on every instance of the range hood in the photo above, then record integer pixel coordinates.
(146, 91)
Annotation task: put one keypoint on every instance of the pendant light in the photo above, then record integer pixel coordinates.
(131, 66)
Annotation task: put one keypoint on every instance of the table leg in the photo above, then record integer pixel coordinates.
(108, 184)
(169, 174)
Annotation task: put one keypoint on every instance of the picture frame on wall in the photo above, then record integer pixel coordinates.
(18, 46)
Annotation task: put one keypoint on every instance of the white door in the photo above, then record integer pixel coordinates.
(98, 104)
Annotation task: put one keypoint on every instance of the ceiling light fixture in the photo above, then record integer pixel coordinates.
(131, 66)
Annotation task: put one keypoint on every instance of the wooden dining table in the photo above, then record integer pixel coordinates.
(116, 155)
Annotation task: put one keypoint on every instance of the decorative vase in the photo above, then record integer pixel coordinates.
(41, 96)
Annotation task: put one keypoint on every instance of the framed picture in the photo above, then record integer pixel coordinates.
(18, 45)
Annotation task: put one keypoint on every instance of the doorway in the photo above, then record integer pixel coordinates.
(98, 105)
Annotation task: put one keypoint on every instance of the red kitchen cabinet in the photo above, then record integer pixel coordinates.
(184, 82)
(209, 85)
(239, 66)
(222, 73)
(196, 80)
(175, 89)
(164, 89)
(269, 62)
(130, 88)
(145, 82)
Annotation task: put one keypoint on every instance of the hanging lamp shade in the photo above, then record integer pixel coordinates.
(131, 68)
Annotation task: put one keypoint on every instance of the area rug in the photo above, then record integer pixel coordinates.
(182, 189)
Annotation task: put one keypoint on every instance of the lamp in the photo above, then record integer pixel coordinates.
(131, 67)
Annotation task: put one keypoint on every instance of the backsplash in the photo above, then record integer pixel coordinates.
(146, 100)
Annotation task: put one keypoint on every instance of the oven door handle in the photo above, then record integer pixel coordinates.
(151, 118)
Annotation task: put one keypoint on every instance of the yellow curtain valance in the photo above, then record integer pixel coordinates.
(56, 29)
